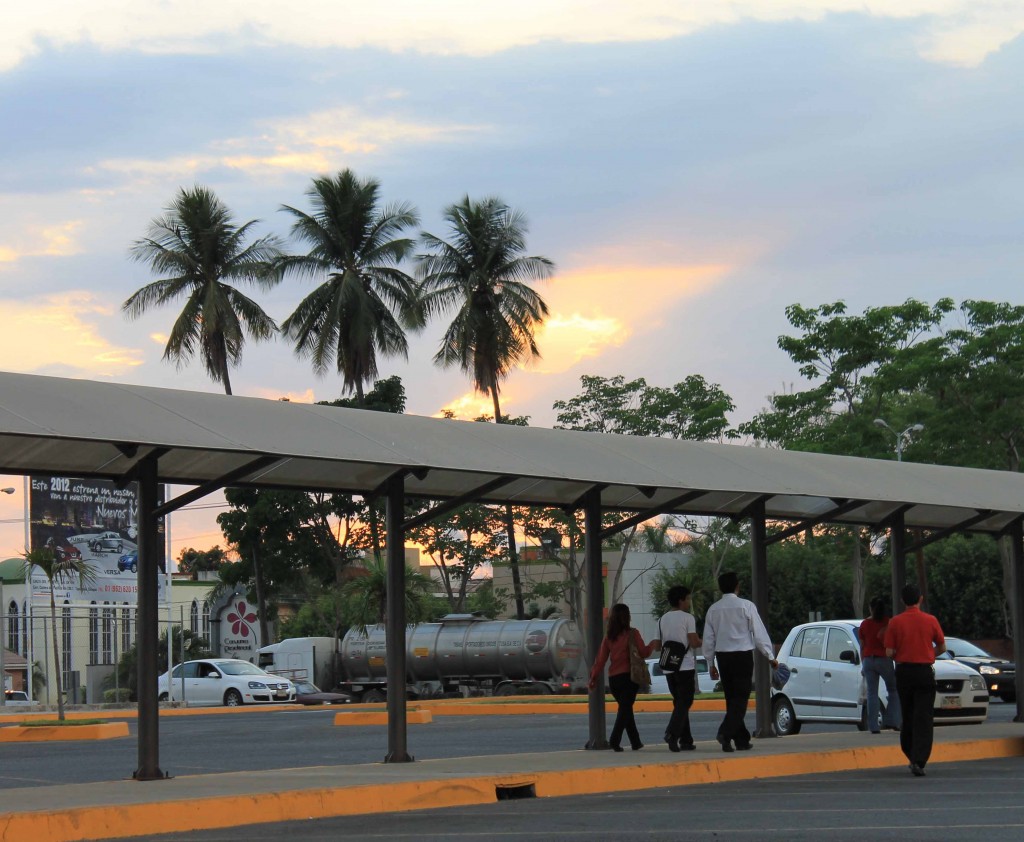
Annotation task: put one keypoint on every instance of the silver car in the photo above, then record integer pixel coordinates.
(826, 685)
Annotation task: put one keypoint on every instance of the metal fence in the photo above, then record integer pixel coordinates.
(91, 640)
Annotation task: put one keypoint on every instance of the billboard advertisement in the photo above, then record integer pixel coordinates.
(93, 521)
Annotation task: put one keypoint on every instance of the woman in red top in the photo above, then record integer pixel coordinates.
(875, 665)
(615, 648)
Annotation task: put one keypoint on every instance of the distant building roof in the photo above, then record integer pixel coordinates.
(12, 571)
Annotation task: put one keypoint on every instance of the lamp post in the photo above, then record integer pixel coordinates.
(903, 438)
(3, 633)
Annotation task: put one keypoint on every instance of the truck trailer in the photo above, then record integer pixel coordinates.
(312, 659)
(467, 655)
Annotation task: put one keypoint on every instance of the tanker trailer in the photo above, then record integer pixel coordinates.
(465, 655)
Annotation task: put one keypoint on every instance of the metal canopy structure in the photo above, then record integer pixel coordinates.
(88, 429)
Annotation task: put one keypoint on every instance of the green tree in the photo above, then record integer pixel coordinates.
(482, 273)
(193, 561)
(366, 596)
(60, 572)
(367, 301)
(200, 252)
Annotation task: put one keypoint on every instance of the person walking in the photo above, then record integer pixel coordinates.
(877, 665)
(913, 639)
(732, 631)
(680, 626)
(615, 650)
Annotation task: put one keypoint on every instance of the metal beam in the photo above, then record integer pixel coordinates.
(598, 738)
(1016, 538)
(382, 489)
(647, 514)
(751, 509)
(898, 543)
(938, 535)
(581, 501)
(214, 485)
(810, 523)
(147, 634)
(395, 623)
(759, 591)
(456, 502)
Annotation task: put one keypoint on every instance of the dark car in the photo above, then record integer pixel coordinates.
(129, 561)
(308, 693)
(1000, 675)
(63, 551)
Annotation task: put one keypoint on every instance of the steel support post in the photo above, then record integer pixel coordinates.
(1016, 536)
(598, 738)
(395, 622)
(759, 593)
(898, 542)
(147, 633)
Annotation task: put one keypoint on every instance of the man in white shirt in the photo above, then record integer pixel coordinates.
(732, 631)
(679, 625)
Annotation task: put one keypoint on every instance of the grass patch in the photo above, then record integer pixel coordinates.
(68, 723)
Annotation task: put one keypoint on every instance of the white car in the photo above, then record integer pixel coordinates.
(17, 698)
(223, 681)
(659, 682)
(826, 685)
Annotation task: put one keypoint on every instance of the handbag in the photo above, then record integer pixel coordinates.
(672, 653)
(638, 672)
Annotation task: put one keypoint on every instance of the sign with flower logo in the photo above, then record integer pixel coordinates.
(239, 631)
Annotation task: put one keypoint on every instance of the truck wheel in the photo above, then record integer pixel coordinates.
(162, 697)
(784, 717)
(506, 690)
(232, 698)
(375, 696)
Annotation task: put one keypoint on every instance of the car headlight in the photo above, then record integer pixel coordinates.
(257, 685)
(987, 670)
(977, 682)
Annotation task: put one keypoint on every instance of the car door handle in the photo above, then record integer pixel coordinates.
(828, 675)
(794, 671)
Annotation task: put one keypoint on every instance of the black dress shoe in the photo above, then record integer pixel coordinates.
(673, 743)
(616, 748)
(744, 746)
(637, 747)
(687, 747)
(916, 770)
(726, 745)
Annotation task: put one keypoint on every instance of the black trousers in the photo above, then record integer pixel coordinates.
(681, 686)
(624, 691)
(737, 672)
(915, 684)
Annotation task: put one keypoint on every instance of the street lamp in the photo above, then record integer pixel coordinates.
(903, 438)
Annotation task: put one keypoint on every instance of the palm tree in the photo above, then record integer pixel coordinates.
(366, 301)
(482, 274)
(199, 251)
(59, 571)
(366, 596)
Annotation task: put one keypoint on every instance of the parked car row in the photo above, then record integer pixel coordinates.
(825, 683)
(233, 682)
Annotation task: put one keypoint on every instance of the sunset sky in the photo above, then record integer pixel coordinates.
(691, 166)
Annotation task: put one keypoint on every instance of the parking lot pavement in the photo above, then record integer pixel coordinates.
(955, 801)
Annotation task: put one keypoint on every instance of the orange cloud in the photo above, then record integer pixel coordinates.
(61, 332)
(44, 241)
(469, 406)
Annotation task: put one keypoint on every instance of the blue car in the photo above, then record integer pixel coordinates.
(129, 561)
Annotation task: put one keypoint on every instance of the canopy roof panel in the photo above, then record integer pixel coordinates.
(52, 425)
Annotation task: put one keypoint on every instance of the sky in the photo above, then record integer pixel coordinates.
(692, 167)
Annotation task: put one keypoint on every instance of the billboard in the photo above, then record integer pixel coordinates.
(94, 521)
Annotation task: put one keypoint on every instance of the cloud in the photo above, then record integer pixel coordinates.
(956, 31)
(61, 335)
(58, 240)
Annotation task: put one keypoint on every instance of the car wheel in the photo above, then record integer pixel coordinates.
(374, 696)
(162, 697)
(784, 717)
(862, 723)
(232, 698)
(134, 567)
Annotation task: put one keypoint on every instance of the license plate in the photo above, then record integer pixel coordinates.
(950, 702)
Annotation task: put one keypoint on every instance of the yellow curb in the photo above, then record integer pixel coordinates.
(121, 821)
(356, 717)
(47, 733)
(450, 708)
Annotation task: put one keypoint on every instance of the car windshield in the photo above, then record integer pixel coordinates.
(306, 687)
(239, 668)
(962, 647)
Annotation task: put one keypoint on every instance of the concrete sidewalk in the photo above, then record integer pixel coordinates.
(117, 809)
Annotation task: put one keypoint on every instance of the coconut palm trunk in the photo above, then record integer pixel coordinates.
(58, 667)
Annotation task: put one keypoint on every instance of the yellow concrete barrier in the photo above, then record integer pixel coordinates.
(368, 717)
(46, 733)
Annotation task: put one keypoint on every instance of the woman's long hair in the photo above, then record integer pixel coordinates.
(618, 620)
(879, 609)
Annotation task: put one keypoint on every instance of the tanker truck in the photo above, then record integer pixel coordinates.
(467, 655)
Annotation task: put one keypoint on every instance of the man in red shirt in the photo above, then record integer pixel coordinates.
(913, 639)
